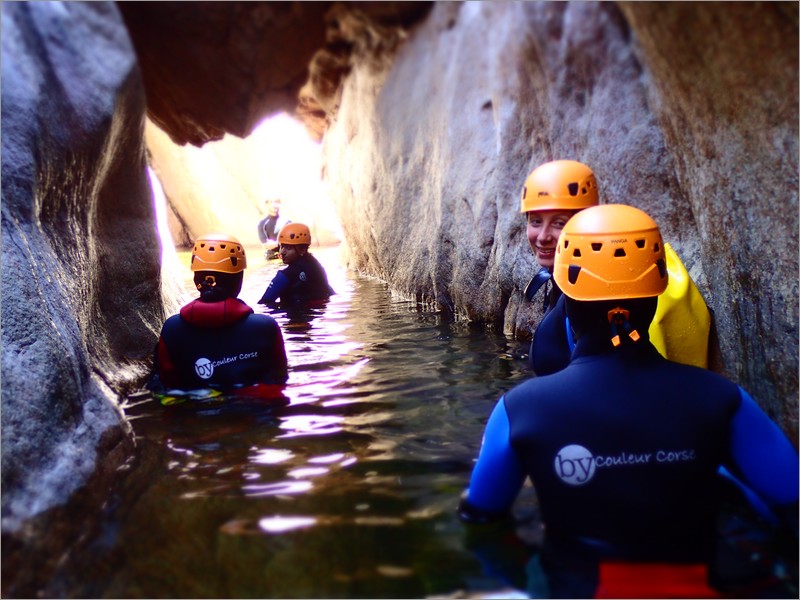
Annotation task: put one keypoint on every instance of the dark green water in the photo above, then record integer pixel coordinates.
(350, 491)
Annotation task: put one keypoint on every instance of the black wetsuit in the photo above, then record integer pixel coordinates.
(550, 350)
(220, 344)
(269, 227)
(623, 449)
(302, 282)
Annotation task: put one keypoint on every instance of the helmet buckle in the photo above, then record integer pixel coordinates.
(619, 318)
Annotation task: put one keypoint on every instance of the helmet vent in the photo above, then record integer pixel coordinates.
(619, 252)
(566, 244)
(573, 272)
(572, 188)
(222, 246)
(662, 267)
(234, 260)
(640, 243)
(596, 246)
(656, 247)
(576, 252)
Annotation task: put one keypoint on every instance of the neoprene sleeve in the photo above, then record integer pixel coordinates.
(763, 455)
(275, 288)
(498, 475)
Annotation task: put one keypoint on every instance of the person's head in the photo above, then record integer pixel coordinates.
(273, 206)
(611, 265)
(554, 192)
(218, 263)
(294, 240)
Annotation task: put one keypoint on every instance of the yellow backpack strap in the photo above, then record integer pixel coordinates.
(681, 327)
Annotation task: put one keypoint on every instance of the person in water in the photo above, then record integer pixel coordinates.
(216, 341)
(553, 193)
(623, 446)
(303, 282)
(270, 226)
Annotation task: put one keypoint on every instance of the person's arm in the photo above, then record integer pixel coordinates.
(275, 288)
(164, 366)
(765, 459)
(498, 474)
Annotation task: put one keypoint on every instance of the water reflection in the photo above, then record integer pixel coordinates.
(347, 490)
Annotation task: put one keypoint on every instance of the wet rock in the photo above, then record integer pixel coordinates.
(211, 68)
(80, 282)
(723, 86)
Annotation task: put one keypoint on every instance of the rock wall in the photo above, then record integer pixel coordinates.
(80, 282)
(687, 110)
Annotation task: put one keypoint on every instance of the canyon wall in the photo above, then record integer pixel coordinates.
(81, 283)
(686, 110)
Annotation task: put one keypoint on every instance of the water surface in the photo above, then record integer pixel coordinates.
(350, 491)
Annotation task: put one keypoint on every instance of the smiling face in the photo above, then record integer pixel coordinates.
(544, 227)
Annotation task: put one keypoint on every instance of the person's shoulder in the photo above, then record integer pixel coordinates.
(693, 372)
(173, 320)
(310, 258)
(172, 324)
(535, 387)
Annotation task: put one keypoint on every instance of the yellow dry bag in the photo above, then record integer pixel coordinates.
(682, 323)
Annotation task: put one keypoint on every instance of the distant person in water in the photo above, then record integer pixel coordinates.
(270, 226)
(216, 341)
(623, 446)
(304, 281)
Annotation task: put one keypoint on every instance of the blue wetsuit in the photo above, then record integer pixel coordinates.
(624, 449)
(302, 282)
(220, 345)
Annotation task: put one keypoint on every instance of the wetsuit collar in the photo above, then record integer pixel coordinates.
(594, 342)
(215, 314)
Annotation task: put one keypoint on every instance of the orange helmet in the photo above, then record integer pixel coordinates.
(610, 252)
(560, 184)
(295, 234)
(218, 252)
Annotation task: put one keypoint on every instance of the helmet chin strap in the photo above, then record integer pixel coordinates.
(620, 319)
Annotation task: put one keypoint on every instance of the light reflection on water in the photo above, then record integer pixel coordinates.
(349, 491)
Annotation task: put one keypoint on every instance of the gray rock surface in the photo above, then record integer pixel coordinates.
(80, 282)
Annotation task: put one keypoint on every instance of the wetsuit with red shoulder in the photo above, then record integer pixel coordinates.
(220, 344)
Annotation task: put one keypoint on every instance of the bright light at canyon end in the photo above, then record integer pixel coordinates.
(223, 185)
